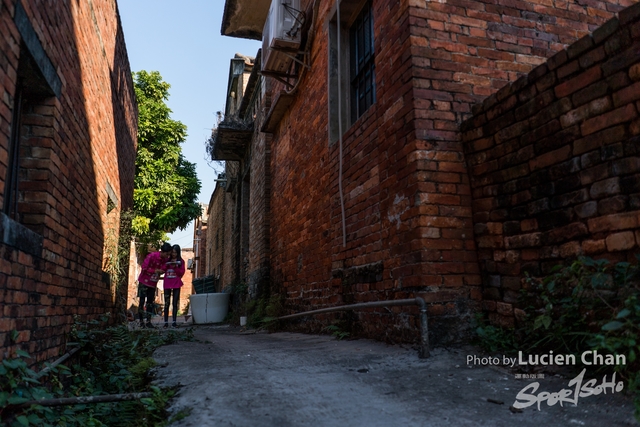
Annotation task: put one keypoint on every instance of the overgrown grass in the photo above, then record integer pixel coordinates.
(111, 360)
(585, 305)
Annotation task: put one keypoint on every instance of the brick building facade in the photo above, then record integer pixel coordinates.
(382, 198)
(216, 257)
(68, 124)
(187, 280)
(238, 233)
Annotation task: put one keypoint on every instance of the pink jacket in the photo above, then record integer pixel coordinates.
(147, 276)
(173, 274)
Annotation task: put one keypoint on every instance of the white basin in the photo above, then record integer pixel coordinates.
(209, 308)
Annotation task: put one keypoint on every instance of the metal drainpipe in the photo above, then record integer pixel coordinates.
(424, 330)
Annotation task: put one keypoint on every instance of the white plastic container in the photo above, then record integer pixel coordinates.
(209, 308)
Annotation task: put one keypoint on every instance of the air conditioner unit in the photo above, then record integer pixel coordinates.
(281, 35)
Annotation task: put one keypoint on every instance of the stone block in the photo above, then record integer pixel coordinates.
(620, 241)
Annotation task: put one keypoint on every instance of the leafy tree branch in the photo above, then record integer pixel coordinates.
(166, 184)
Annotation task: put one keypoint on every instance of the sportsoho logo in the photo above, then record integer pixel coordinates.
(578, 387)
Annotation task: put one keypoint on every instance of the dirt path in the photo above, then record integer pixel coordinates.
(282, 379)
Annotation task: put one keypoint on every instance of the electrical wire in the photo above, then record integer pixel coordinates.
(307, 47)
(340, 166)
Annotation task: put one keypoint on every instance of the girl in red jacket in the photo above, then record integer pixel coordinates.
(173, 271)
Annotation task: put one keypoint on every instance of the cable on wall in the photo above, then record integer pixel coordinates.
(340, 190)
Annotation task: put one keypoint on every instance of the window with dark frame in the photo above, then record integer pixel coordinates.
(32, 117)
(363, 79)
(10, 206)
(351, 80)
(27, 170)
(27, 178)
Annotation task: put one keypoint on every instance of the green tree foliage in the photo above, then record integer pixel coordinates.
(166, 184)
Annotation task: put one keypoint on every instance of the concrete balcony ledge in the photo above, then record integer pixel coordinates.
(244, 18)
(232, 140)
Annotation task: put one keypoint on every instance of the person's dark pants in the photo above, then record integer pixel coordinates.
(168, 293)
(149, 294)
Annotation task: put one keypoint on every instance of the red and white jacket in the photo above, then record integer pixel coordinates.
(148, 276)
(173, 272)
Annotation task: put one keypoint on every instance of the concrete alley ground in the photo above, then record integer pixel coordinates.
(239, 378)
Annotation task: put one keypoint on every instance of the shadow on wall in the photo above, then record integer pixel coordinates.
(125, 131)
(65, 173)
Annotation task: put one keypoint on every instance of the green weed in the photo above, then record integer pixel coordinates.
(337, 332)
(112, 360)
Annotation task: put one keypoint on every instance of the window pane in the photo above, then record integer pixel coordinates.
(362, 60)
(367, 37)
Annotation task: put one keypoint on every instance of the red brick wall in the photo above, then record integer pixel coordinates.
(395, 248)
(215, 231)
(462, 51)
(202, 253)
(555, 163)
(228, 238)
(80, 142)
(407, 193)
(259, 230)
(187, 280)
(302, 187)
(470, 49)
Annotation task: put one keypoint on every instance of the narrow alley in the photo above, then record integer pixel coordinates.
(478, 157)
(239, 378)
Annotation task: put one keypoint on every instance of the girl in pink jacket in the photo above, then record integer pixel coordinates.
(173, 271)
(151, 269)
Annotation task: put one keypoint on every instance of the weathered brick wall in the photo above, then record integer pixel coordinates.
(470, 49)
(407, 194)
(76, 145)
(243, 222)
(258, 255)
(241, 209)
(390, 252)
(555, 163)
(258, 267)
(461, 52)
(229, 244)
(302, 187)
(215, 231)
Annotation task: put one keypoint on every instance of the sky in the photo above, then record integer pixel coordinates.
(182, 41)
